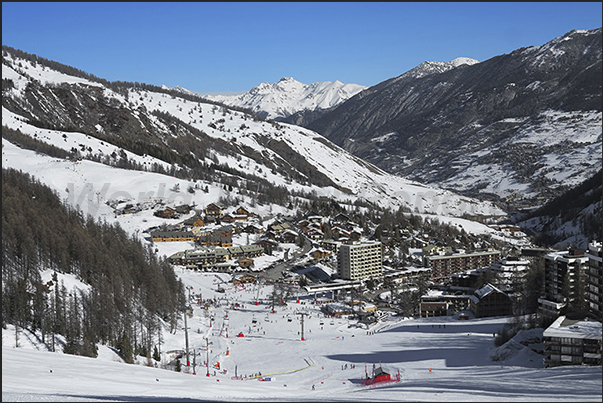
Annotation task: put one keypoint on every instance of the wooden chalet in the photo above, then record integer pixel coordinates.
(183, 209)
(253, 229)
(227, 218)
(245, 262)
(244, 279)
(320, 254)
(214, 210)
(303, 225)
(232, 218)
(214, 240)
(224, 231)
(242, 211)
(355, 235)
(268, 245)
(279, 228)
(315, 234)
(172, 236)
(194, 221)
(339, 231)
(289, 236)
(167, 212)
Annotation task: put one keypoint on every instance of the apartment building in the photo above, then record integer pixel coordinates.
(356, 261)
(561, 270)
(490, 301)
(594, 281)
(572, 342)
(208, 258)
(444, 265)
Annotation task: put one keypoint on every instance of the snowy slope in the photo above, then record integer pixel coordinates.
(288, 96)
(355, 179)
(520, 128)
(438, 358)
(427, 68)
(571, 144)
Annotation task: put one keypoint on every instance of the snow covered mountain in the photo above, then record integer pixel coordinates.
(307, 116)
(521, 128)
(428, 68)
(289, 96)
(156, 138)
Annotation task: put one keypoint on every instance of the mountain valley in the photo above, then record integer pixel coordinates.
(521, 128)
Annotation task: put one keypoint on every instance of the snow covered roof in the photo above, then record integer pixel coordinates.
(337, 307)
(485, 290)
(575, 329)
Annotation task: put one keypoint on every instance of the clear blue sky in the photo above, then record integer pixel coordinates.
(208, 47)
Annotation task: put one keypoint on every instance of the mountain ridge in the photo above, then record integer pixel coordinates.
(156, 129)
(447, 128)
(288, 96)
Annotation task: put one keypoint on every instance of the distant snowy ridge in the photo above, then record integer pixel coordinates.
(289, 96)
(428, 68)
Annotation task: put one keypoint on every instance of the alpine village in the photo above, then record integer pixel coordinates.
(114, 193)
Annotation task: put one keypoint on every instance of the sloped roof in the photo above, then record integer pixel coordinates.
(486, 290)
(314, 274)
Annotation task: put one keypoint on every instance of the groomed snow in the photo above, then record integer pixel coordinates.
(438, 359)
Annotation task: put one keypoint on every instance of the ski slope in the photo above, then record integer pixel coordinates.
(438, 359)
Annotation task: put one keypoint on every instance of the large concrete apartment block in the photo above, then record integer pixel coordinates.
(572, 342)
(444, 265)
(560, 271)
(360, 261)
(594, 279)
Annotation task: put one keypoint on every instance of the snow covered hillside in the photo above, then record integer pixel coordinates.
(521, 128)
(572, 141)
(289, 96)
(243, 147)
(437, 358)
(427, 68)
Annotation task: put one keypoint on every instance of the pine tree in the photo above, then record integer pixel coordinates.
(156, 355)
(125, 348)
(39, 231)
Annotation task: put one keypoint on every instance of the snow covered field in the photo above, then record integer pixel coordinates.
(439, 359)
